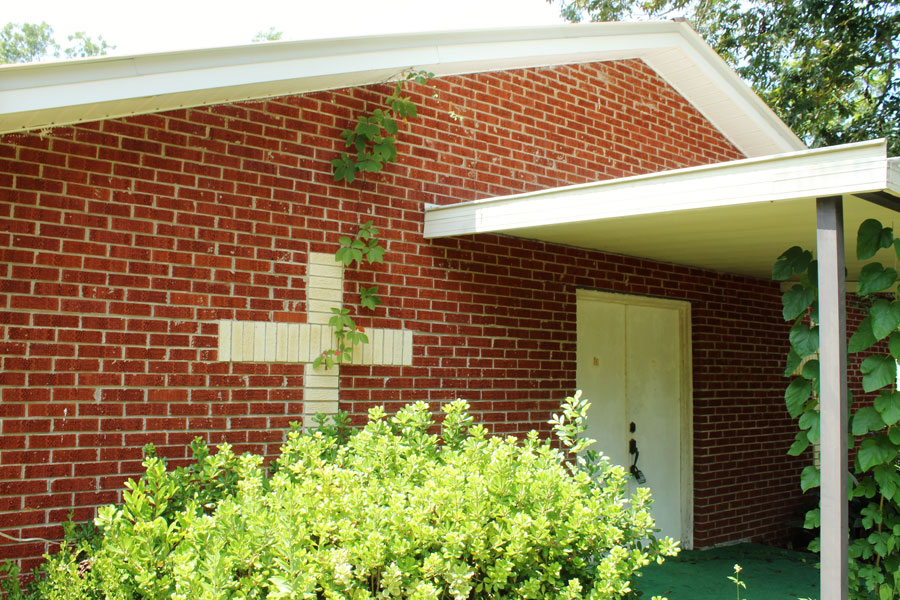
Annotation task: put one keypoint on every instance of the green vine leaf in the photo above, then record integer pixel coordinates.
(875, 278)
(801, 443)
(793, 363)
(894, 345)
(368, 297)
(811, 370)
(341, 321)
(793, 261)
(812, 519)
(887, 478)
(796, 300)
(809, 478)
(344, 256)
(885, 317)
(871, 237)
(344, 169)
(804, 339)
(373, 136)
(814, 433)
(368, 127)
(390, 125)
(796, 395)
(384, 151)
(862, 338)
(811, 277)
(814, 311)
(810, 422)
(865, 488)
(375, 252)
(875, 451)
(887, 403)
(871, 516)
(366, 231)
(364, 247)
(368, 165)
(328, 358)
(878, 371)
(883, 543)
(867, 419)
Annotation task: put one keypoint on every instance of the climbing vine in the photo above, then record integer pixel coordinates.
(372, 143)
(365, 247)
(875, 426)
(372, 139)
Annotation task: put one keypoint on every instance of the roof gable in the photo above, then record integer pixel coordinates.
(45, 95)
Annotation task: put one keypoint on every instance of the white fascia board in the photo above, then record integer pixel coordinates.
(28, 87)
(716, 91)
(44, 95)
(848, 169)
(211, 78)
(894, 176)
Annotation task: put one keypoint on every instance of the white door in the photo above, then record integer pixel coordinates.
(634, 366)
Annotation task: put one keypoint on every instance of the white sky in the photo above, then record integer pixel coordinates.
(160, 25)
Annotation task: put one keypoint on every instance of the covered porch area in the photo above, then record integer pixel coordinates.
(733, 218)
(769, 573)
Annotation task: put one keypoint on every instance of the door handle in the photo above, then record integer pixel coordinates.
(633, 450)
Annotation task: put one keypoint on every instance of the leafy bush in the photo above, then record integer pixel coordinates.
(391, 511)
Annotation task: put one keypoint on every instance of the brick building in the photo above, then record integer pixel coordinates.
(167, 227)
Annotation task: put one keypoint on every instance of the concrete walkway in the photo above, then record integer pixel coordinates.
(770, 574)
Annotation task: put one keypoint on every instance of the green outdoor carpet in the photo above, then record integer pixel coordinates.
(770, 574)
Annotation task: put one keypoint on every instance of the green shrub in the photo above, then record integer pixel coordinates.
(391, 511)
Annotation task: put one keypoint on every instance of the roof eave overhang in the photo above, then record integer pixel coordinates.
(733, 217)
(46, 95)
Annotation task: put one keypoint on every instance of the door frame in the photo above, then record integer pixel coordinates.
(686, 399)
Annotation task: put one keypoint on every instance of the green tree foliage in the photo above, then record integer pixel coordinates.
(82, 46)
(389, 511)
(828, 68)
(30, 42)
(268, 36)
(25, 43)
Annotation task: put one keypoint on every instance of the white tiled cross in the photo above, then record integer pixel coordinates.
(260, 341)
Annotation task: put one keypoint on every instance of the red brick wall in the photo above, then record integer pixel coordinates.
(123, 241)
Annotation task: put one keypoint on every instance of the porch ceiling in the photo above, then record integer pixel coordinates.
(734, 217)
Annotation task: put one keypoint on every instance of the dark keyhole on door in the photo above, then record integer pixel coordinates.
(633, 450)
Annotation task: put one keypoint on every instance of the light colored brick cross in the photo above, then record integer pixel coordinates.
(260, 341)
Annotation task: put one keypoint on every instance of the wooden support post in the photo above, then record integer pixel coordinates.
(833, 396)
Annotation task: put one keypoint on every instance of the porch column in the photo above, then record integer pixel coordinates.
(833, 396)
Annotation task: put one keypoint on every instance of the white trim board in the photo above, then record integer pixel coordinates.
(43, 95)
(735, 217)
